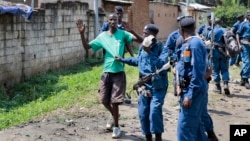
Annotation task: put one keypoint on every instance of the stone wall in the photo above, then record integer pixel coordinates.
(50, 40)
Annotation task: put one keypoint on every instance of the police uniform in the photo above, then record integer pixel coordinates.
(193, 86)
(204, 29)
(235, 27)
(244, 33)
(150, 107)
(220, 60)
(171, 44)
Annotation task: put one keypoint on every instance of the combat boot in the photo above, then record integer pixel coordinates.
(242, 82)
(217, 88)
(158, 137)
(226, 88)
(211, 136)
(149, 137)
(247, 83)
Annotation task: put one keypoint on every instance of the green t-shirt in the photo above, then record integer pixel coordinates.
(113, 46)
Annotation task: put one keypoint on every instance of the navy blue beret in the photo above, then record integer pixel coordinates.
(152, 28)
(119, 8)
(187, 22)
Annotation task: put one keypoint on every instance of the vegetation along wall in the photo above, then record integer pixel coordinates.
(48, 41)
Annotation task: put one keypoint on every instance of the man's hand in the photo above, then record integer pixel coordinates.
(80, 26)
(187, 103)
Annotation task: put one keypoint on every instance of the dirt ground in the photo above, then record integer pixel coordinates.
(81, 124)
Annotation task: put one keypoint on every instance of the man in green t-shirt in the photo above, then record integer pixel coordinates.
(113, 79)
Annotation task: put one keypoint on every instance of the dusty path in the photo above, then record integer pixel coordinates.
(80, 124)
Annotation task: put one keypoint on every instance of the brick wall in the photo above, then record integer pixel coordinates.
(50, 40)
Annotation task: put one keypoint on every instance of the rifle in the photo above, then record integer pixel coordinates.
(145, 79)
(212, 37)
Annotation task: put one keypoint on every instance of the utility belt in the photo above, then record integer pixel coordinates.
(184, 82)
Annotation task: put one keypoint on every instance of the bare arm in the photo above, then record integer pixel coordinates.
(81, 29)
(238, 40)
(136, 37)
(129, 48)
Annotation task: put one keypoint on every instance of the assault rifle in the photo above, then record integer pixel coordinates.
(145, 79)
(212, 37)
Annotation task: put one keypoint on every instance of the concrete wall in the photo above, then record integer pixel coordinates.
(164, 16)
(50, 40)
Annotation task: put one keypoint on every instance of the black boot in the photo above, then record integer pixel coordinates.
(158, 137)
(217, 88)
(211, 136)
(226, 88)
(246, 83)
(242, 82)
(149, 137)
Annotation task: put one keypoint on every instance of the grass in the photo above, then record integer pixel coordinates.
(65, 88)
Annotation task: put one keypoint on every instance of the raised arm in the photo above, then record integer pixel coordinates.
(81, 29)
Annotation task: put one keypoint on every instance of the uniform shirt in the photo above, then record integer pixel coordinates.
(149, 62)
(235, 27)
(218, 34)
(105, 26)
(171, 43)
(114, 46)
(196, 69)
(244, 30)
(204, 31)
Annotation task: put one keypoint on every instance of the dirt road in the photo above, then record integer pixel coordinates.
(81, 124)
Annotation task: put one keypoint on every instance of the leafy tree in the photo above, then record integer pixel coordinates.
(228, 12)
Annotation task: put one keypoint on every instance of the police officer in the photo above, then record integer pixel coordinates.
(151, 98)
(243, 38)
(171, 42)
(236, 59)
(191, 69)
(204, 29)
(220, 59)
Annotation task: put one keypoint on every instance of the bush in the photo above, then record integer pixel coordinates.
(228, 14)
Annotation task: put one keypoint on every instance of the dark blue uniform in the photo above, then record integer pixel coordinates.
(244, 33)
(190, 126)
(237, 58)
(220, 64)
(171, 43)
(150, 108)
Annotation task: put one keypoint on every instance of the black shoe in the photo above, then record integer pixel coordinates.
(217, 88)
(242, 82)
(247, 83)
(211, 136)
(149, 137)
(158, 137)
(226, 88)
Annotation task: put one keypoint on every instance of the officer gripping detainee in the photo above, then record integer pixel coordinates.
(243, 39)
(191, 68)
(152, 93)
(236, 59)
(220, 59)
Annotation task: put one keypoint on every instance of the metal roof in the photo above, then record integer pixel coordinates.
(119, 1)
(197, 6)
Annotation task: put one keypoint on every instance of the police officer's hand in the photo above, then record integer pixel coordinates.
(118, 58)
(80, 26)
(187, 102)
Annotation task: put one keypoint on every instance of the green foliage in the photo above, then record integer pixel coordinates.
(228, 14)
